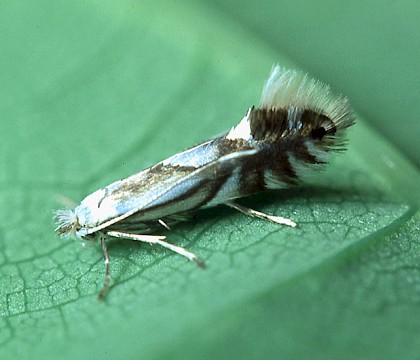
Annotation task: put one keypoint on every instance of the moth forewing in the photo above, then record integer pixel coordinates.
(298, 125)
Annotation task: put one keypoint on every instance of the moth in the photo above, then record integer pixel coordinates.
(297, 126)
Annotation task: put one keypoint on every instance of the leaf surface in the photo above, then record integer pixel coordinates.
(95, 91)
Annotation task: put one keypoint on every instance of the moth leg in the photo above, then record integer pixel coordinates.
(260, 215)
(107, 281)
(157, 239)
(164, 224)
(64, 200)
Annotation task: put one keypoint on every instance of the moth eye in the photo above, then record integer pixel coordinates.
(318, 133)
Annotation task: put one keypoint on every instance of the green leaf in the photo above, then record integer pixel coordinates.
(95, 91)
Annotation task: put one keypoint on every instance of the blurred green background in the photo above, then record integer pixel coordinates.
(92, 91)
(376, 42)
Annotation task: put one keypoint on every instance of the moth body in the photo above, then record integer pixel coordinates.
(295, 129)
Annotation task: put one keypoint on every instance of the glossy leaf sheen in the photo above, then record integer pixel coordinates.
(96, 91)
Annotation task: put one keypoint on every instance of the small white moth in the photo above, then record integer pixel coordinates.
(298, 124)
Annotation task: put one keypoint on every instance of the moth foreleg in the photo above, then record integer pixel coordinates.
(156, 239)
(260, 215)
(107, 281)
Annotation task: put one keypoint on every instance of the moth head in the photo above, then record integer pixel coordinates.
(67, 223)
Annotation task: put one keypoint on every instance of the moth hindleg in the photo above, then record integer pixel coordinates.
(260, 215)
